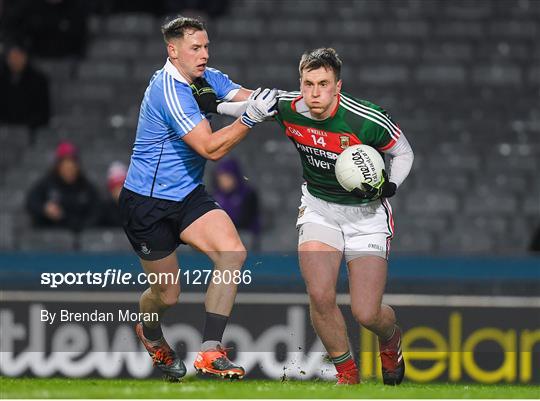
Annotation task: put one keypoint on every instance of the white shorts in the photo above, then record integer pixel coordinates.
(356, 230)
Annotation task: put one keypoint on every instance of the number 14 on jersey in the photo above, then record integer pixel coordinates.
(318, 141)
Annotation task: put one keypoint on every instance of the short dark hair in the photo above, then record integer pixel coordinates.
(177, 27)
(323, 57)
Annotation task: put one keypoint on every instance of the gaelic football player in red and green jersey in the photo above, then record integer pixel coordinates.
(322, 121)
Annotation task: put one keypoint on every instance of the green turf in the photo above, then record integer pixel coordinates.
(196, 388)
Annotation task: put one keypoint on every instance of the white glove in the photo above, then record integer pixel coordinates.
(260, 106)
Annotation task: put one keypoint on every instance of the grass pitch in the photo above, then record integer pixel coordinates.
(248, 389)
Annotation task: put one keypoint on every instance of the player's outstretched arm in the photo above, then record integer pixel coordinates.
(237, 108)
(206, 98)
(237, 105)
(214, 146)
(208, 102)
(232, 109)
(242, 95)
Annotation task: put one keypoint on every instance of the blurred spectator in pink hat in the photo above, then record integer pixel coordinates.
(116, 175)
(66, 149)
(64, 197)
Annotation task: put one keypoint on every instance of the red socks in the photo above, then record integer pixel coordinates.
(344, 363)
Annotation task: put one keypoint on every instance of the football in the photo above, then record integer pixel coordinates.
(359, 164)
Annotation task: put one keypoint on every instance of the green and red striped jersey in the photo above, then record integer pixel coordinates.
(319, 142)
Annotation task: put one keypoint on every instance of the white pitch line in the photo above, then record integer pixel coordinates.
(484, 301)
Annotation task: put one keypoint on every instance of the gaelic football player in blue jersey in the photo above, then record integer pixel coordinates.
(164, 202)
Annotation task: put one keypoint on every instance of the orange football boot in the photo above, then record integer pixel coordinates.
(215, 362)
(163, 357)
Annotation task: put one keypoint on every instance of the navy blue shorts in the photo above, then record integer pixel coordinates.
(153, 225)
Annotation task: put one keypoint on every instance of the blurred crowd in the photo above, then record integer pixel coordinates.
(25, 98)
(49, 28)
(32, 31)
(65, 198)
(58, 28)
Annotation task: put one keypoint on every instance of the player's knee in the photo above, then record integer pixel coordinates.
(367, 318)
(169, 296)
(240, 254)
(322, 301)
(232, 256)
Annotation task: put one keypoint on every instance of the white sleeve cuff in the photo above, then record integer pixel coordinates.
(228, 97)
(401, 161)
(232, 109)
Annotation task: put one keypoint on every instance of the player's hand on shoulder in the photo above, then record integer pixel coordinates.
(204, 95)
(260, 106)
(384, 189)
(280, 93)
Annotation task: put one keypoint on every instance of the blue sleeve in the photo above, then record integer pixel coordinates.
(221, 83)
(181, 110)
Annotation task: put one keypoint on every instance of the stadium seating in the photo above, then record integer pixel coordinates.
(48, 240)
(104, 240)
(461, 78)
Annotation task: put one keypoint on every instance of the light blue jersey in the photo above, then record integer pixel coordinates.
(162, 164)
